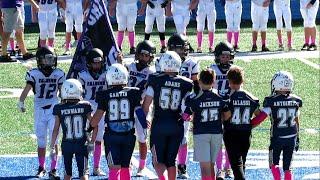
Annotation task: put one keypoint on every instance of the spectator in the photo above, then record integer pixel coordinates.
(13, 20)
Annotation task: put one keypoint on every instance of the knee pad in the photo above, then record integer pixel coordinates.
(69, 26)
(161, 23)
(42, 141)
(43, 31)
(200, 22)
(212, 22)
(78, 27)
(148, 29)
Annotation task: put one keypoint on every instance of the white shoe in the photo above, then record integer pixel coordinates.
(98, 172)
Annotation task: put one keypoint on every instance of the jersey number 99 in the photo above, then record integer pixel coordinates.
(119, 109)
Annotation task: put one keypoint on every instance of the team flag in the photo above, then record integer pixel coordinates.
(97, 33)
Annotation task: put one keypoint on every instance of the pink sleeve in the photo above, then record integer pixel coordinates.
(186, 117)
(259, 119)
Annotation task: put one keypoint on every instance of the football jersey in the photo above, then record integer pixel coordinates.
(157, 2)
(189, 67)
(92, 85)
(126, 1)
(47, 5)
(283, 109)
(207, 107)
(221, 83)
(139, 78)
(168, 92)
(45, 89)
(119, 104)
(73, 119)
(242, 105)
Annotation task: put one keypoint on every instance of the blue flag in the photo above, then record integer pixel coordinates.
(97, 33)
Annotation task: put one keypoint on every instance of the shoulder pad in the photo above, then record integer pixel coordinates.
(131, 88)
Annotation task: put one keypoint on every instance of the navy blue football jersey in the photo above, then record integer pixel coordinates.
(283, 109)
(207, 108)
(119, 103)
(242, 105)
(73, 119)
(169, 91)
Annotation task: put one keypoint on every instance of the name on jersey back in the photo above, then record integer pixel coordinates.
(172, 84)
(72, 111)
(241, 103)
(118, 94)
(285, 103)
(47, 80)
(210, 104)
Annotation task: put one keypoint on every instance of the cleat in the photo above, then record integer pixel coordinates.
(132, 50)
(163, 49)
(53, 175)
(290, 48)
(211, 50)
(220, 175)
(254, 48)
(98, 172)
(236, 48)
(280, 47)
(7, 58)
(12, 53)
(27, 56)
(182, 172)
(229, 173)
(141, 173)
(199, 50)
(312, 47)
(305, 47)
(67, 52)
(41, 172)
(264, 48)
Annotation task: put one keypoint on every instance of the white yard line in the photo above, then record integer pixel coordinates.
(316, 66)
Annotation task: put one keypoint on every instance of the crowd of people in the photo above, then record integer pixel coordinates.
(73, 14)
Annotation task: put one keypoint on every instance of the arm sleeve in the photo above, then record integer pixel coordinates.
(29, 78)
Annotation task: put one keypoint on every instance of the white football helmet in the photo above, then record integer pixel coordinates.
(282, 81)
(170, 61)
(71, 89)
(117, 74)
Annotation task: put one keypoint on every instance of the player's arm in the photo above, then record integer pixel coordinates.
(62, 4)
(23, 96)
(96, 118)
(193, 4)
(257, 112)
(55, 132)
(112, 6)
(167, 7)
(34, 5)
(226, 116)
(261, 117)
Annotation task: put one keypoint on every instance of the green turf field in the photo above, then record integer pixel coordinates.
(16, 127)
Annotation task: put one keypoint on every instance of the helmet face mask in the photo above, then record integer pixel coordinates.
(145, 53)
(95, 60)
(224, 54)
(46, 60)
(180, 44)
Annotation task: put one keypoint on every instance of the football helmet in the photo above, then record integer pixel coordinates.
(46, 60)
(93, 56)
(117, 74)
(170, 61)
(180, 44)
(282, 81)
(71, 89)
(224, 48)
(145, 47)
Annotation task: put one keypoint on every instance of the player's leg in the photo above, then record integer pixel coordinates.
(216, 146)
(287, 20)
(306, 29)
(127, 148)
(52, 21)
(51, 121)
(122, 23)
(40, 127)
(186, 20)
(98, 149)
(11, 48)
(67, 155)
(113, 156)
(229, 19)
(312, 14)
(275, 149)
(212, 16)
(202, 154)
(131, 22)
(183, 153)
(82, 161)
(69, 27)
(178, 22)
(142, 137)
(173, 144)
(255, 26)
(161, 26)
(288, 151)
(201, 20)
(43, 26)
(263, 27)
(237, 21)
(78, 20)
(157, 145)
(20, 34)
(149, 21)
(277, 8)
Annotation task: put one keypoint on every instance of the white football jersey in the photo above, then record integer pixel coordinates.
(221, 83)
(206, 2)
(92, 85)
(139, 78)
(189, 67)
(126, 1)
(45, 89)
(47, 5)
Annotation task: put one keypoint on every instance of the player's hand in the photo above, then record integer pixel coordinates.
(21, 106)
(266, 3)
(164, 4)
(90, 147)
(151, 4)
(309, 5)
(296, 148)
(120, 57)
(53, 153)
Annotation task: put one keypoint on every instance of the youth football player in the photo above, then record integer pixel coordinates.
(309, 9)
(233, 12)
(166, 90)
(209, 110)
(237, 130)
(139, 72)
(94, 80)
(284, 109)
(44, 81)
(119, 104)
(73, 115)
